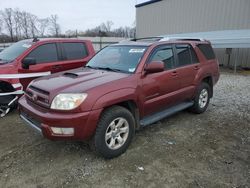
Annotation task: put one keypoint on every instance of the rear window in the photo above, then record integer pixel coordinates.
(75, 50)
(207, 51)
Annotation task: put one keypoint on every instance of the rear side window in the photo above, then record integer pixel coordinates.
(44, 53)
(75, 50)
(184, 55)
(166, 55)
(207, 51)
(193, 56)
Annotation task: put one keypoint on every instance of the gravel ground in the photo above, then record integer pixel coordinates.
(185, 150)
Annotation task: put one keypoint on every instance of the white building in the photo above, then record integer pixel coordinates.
(165, 17)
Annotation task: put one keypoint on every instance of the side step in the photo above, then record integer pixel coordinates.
(165, 113)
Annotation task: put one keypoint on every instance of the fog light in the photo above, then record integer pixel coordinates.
(63, 131)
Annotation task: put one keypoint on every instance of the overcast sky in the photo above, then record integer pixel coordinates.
(79, 14)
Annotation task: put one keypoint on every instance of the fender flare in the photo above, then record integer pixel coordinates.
(115, 97)
(199, 80)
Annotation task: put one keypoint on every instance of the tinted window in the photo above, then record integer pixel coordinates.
(44, 53)
(207, 51)
(193, 55)
(166, 55)
(184, 55)
(75, 50)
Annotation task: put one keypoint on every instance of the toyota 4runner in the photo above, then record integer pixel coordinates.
(123, 88)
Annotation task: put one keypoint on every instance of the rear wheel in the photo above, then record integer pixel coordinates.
(202, 98)
(114, 132)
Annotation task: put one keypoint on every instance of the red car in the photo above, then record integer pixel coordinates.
(28, 59)
(124, 87)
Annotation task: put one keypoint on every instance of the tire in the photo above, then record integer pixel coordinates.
(202, 98)
(114, 132)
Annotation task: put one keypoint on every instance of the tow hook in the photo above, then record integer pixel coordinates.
(4, 110)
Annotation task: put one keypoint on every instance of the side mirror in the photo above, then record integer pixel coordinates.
(154, 67)
(27, 62)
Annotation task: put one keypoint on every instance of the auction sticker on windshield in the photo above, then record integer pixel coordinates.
(139, 50)
(26, 45)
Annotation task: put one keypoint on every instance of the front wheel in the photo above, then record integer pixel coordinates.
(202, 98)
(114, 132)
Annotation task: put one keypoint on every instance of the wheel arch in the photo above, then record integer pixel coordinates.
(209, 81)
(125, 98)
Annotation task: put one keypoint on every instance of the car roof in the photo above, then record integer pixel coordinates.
(52, 39)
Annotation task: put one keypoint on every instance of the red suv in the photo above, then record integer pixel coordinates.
(123, 88)
(28, 59)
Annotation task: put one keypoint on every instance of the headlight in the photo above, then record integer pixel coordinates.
(67, 101)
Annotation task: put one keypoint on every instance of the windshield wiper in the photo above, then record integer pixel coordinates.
(88, 66)
(107, 68)
(110, 69)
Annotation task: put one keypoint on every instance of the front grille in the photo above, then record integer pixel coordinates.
(30, 94)
(32, 120)
(38, 96)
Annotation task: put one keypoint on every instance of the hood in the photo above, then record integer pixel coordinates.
(78, 80)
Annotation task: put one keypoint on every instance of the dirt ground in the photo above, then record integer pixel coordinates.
(185, 150)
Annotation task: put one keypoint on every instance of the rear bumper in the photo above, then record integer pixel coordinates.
(84, 123)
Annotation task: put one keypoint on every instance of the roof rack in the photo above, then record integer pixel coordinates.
(165, 38)
(147, 39)
(181, 38)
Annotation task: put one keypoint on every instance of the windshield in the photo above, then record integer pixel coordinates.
(118, 58)
(13, 51)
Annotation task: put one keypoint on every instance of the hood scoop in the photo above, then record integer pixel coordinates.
(70, 75)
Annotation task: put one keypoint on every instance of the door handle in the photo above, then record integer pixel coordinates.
(196, 67)
(174, 73)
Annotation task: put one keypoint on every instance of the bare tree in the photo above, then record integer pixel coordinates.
(1, 25)
(33, 25)
(25, 24)
(72, 33)
(21, 24)
(17, 24)
(42, 26)
(55, 27)
(8, 18)
(106, 27)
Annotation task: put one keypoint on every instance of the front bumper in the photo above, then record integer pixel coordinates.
(42, 120)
